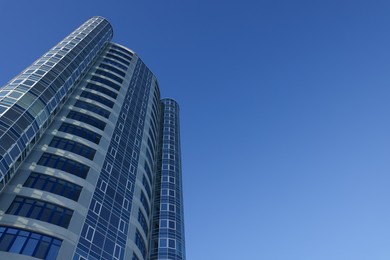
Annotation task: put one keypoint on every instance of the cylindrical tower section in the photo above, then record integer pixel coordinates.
(168, 222)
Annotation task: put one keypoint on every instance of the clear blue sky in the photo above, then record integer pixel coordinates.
(285, 114)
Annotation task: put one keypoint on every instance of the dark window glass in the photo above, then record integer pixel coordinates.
(144, 202)
(72, 146)
(52, 184)
(103, 90)
(147, 187)
(93, 108)
(113, 69)
(142, 221)
(122, 49)
(127, 57)
(109, 75)
(87, 119)
(23, 242)
(63, 164)
(115, 57)
(139, 241)
(41, 210)
(98, 98)
(81, 132)
(106, 82)
(119, 65)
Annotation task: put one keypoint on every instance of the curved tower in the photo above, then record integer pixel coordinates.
(82, 133)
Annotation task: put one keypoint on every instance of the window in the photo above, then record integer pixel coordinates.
(88, 232)
(40, 210)
(119, 65)
(109, 75)
(120, 54)
(126, 204)
(168, 207)
(143, 222)
(122, 49)
(81, 132)
(106, 82)
(74, 147)
(24, 242)
(109, 55)
(87, 119)
(64, 164)
(113, 69)
(145, 203)
(102, 90)
(54, 185)
(122, 226)
(97, 98)
(117, 251)
(93, 108)
(147, 186)
(96, 206)
(102, 185)
(139, 241)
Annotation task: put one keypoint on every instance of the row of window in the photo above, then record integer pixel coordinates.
(143, 222)
(106, 82)
(123, 55)
(109, 55)
(90, 120)
(117, 64)
(24, 242)
(109, 75)
(93, 108)
(72, 146)
(116, 47)
(64, 164)
(54, 185)
(139, 241)
(81, 132)
(103, 90)
(97, 98)
(113, 69)
(40, 210)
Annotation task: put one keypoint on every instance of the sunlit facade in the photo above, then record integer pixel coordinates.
(90, 163)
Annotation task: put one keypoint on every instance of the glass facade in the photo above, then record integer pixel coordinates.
(89, 156)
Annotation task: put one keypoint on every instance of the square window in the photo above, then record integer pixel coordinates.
(90, 233)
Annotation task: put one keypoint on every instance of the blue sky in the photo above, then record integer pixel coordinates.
(285, 114)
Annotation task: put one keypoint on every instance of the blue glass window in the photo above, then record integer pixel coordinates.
(72, 146)
(143, 222)
(54, 185)
(109, 55)
(98, 98)
(87, 119)
(106, 82)
(145, 203)
(147, 187)
(123, 55)
(109, 75)
(119, 65)
(40, 210)
(139, 241)
(102, 90)
(122, 49)
(81, 132)
(24, 242)
(93, 108)
(64, 164)
(113, 69)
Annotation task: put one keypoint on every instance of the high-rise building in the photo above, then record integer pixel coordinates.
(90, 163)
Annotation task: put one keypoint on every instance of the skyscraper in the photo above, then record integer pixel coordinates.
(90, 163)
